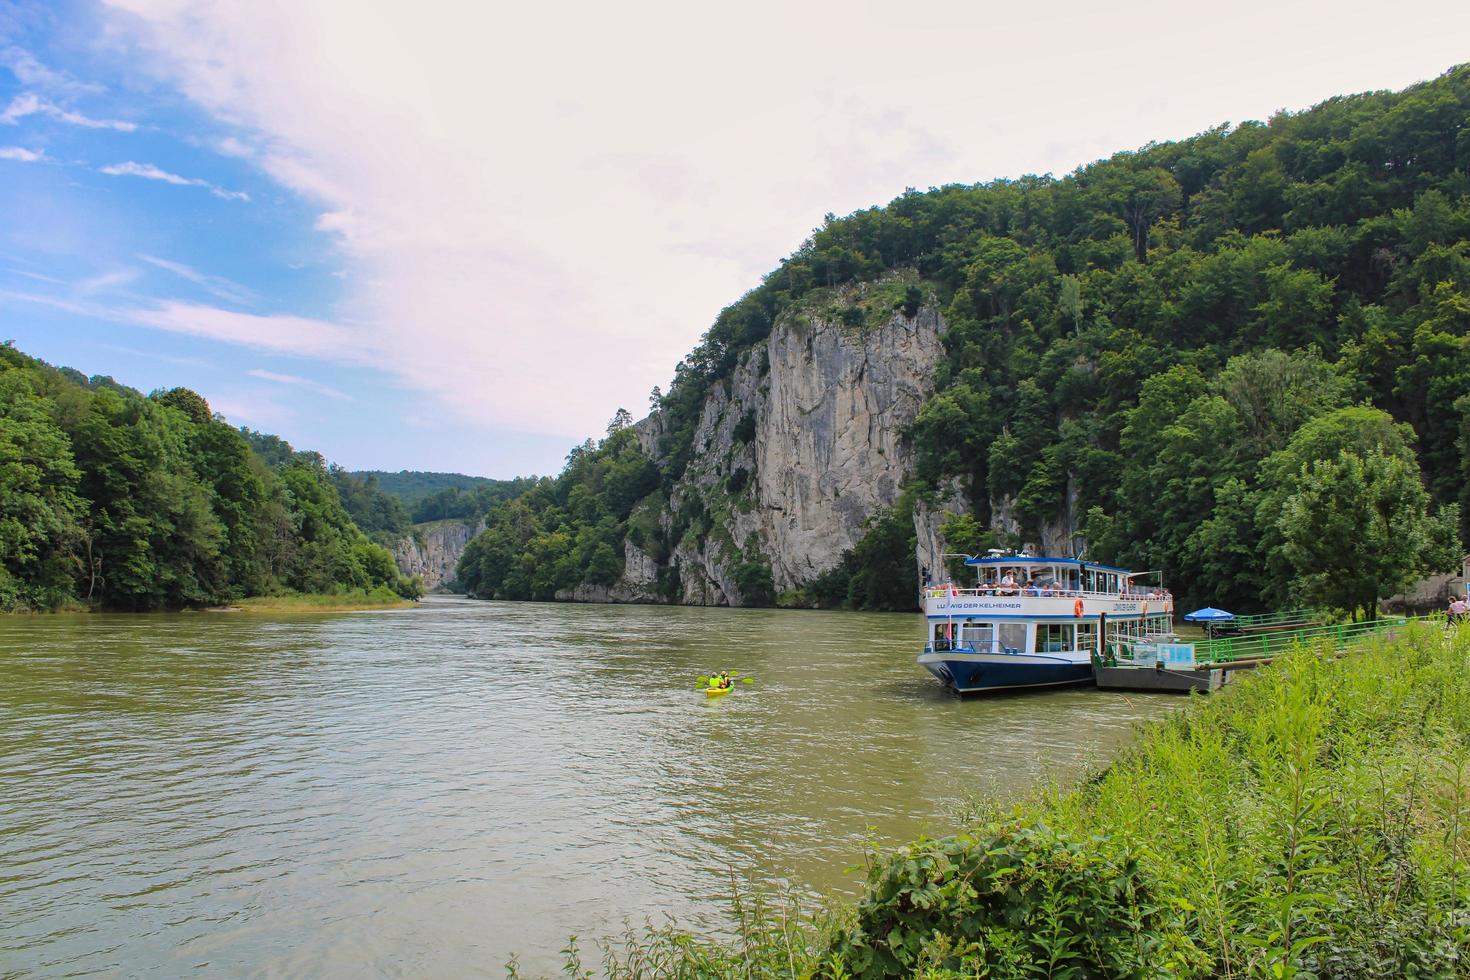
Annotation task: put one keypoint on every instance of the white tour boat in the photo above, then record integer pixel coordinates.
(1036, 622)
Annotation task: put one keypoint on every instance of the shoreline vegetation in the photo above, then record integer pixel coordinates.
(1313, 819)
(313, 602)
(379, 598)
(127, 502)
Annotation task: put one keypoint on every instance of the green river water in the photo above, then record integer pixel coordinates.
(425, 791)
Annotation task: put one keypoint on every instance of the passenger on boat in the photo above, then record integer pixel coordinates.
(1007, 585)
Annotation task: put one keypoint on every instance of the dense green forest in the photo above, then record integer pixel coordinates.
(411, 486)
(381, 516)
(122, 501)
(444, 496)
(1244, 357)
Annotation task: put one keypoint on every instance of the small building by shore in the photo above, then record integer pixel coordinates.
(1431, 594)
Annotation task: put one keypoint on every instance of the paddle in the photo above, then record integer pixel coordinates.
(707, 682)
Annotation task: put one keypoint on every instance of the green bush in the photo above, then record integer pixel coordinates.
(1017, 899)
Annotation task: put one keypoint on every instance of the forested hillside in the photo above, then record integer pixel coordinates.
(1242, 358)
(130, 502)
(443, 496)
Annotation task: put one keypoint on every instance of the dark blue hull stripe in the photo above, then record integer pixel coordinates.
(966, 676)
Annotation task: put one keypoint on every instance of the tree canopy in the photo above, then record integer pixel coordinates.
(134, 502)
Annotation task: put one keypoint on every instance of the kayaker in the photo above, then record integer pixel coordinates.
(725, 678)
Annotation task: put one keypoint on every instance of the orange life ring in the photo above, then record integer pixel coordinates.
(1077, 609)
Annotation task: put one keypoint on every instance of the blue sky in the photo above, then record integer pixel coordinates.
(460, 236)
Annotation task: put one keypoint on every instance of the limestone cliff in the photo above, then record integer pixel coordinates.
(432, 551)
(801, 445)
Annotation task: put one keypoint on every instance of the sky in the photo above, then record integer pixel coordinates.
(460, 235)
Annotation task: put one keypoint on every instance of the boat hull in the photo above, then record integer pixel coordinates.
(975, 673)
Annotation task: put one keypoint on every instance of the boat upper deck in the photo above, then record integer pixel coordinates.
(1025, 585)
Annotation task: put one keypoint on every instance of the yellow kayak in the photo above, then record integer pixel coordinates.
(714, 692)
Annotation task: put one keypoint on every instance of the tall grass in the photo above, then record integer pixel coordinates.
(1313, 819)
(381, 597)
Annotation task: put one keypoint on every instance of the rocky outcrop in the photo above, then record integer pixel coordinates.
(929, 517)
(639, 582)
(830, 451)
(433, 550)
(793, 453)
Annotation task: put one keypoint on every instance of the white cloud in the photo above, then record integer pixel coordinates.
(231, 147)
(21, 154)
(24, 66)
(65, 304)
(299, 336)
(543, 207)
(106, 281)
(300, 382)
(218, 286)
(252, 407)
(150, 172)
(30, 104)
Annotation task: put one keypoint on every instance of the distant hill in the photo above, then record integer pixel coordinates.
(411, 486)
(440, 496)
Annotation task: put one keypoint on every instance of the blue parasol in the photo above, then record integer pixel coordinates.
(1209, 614)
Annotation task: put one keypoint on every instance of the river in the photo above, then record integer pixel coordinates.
(427, 791)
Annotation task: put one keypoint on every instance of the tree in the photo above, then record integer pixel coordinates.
(620, 421)
(1070, 301)
(1357, 528)
(39, 508)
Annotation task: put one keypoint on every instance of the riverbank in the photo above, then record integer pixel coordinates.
(329, 602)
(318, 602)
(1312, 819)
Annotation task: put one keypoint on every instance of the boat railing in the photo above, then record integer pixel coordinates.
(1263, 646)
(968, 646)
(940, 592)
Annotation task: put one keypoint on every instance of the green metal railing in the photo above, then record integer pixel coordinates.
(1225, 649)
(1275, 618)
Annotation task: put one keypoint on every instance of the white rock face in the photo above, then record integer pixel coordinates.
(434, 549)
(928, 520)
(639, 568)
(829, 450)
(792, 454)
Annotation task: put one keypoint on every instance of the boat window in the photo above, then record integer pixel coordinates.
(1012, 636)
(1054, 637)
(1086, 636)
(979, 635)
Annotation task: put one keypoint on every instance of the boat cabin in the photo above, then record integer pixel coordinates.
(1025, 575)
